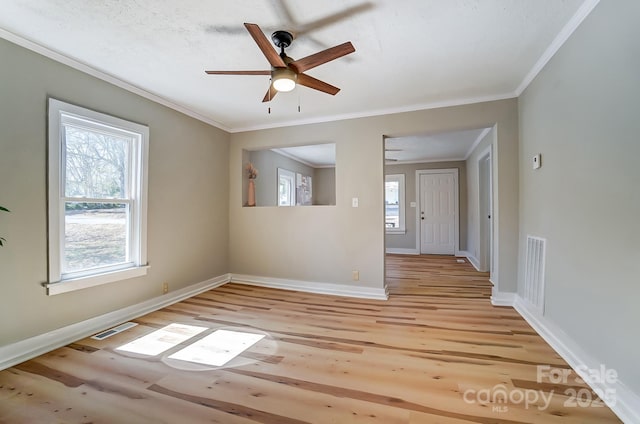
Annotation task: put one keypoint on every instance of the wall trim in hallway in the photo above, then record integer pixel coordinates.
(398, 251)
(502, 298)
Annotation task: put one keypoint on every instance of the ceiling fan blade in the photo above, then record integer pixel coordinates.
(271, 93)
(225, 29)
(331, 19)
(284, 13)
(324, 56)
(316, 84)
(263, 43)
(238, 72)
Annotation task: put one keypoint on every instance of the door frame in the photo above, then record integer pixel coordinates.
(456, 206)
(486, 267)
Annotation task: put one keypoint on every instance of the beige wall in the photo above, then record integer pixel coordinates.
(324, 186)
(581, 114)
(408, 240)
(188, 194)
(326, 243)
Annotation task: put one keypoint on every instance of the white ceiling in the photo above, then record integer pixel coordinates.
(410, 54)
(315, 155)
(450, 146)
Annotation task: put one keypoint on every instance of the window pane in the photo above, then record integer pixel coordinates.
(96, 164)
(392, 205)
(284, 190)
(95, 235)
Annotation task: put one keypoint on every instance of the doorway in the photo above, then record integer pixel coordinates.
(485, 212)
(438, 214)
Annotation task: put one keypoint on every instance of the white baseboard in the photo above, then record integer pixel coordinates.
(462, 254)
(627, 403)
(395, 251)
(474, 261)
(502, 298)
(312, 287)
(24, 350)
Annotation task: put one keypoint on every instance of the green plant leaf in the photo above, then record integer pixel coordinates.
(4, 209)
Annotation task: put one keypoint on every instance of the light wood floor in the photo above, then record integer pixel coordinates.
(412, 359)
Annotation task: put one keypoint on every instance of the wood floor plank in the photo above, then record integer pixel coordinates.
(420, 357)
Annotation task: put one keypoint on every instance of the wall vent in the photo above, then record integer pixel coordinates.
(115, 330)
(534, 272)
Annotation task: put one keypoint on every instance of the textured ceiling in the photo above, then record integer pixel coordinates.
(450, 146)
(316, 155)
(410, 54)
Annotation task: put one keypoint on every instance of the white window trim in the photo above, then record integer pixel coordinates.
(58, 111)
(291, 176)
(402, 229)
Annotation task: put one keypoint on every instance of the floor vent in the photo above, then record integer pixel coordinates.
(115, 330)
(534, 272)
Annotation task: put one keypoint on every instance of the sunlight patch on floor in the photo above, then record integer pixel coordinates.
(162, 340)
(217, 348)
(198, 348)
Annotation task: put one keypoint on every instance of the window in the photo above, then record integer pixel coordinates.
(97, 198)
(394, 204)
(304, 190)
(286, 187)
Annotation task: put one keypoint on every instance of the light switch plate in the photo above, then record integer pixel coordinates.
(537, 161)
(354, 202)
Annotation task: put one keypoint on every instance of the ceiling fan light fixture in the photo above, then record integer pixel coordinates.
(284, 79)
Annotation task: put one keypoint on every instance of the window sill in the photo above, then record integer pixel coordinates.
(396, 231)
(65, 286)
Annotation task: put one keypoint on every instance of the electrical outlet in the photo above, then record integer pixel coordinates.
(165, 288)
(355, 275)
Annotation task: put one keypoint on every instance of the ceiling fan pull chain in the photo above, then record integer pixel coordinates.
(269, 91)
(298, 90)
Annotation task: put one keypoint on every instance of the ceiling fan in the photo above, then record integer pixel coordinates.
(285, 72)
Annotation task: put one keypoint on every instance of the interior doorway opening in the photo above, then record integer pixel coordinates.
(485, 212)
(426, 159)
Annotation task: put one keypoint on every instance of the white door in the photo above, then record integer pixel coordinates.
(438, 193)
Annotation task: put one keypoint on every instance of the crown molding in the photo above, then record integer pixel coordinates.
(412, 162)
(378, 112)
(83, 67)
(481, 137)
(564, 34)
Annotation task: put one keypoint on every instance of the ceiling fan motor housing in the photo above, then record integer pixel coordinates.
(282, 39)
